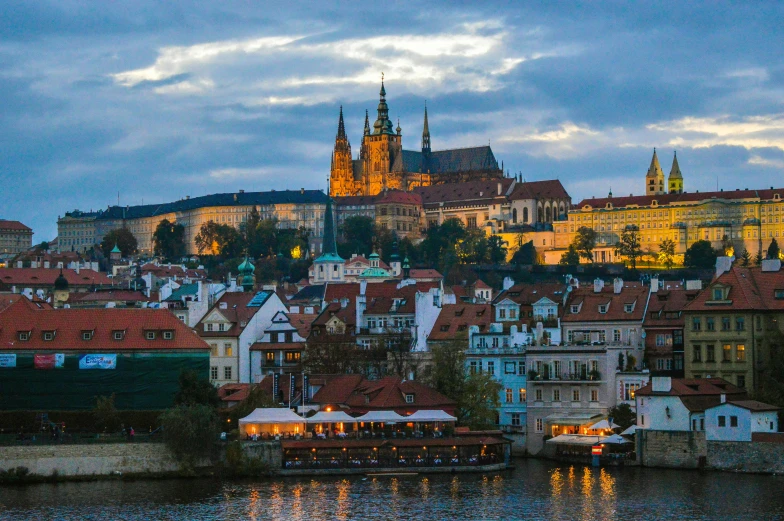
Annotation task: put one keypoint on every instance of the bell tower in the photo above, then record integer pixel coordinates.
(382, 145)
(341, 173)
(654, 179)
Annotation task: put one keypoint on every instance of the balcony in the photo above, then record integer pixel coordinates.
(591, 376)
(487, 350)
(546, 322)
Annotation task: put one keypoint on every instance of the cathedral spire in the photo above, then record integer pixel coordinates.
(367, 124)
(654, 179)
(398, 129)
(341, 126)
(675, 179)
(426, 134)
(382, 125)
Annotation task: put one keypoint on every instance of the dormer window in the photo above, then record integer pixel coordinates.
(602, 308)
(575, 309)
(718, 294)
(48, 336)
(150, 335)
(778, 294)
(628, 308)
(208, 327)
(221, 327)
(87, 335)
(118, 335)
(168, 335)
(409, 398)
(24, 336)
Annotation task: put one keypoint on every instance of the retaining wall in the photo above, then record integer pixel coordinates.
(675, 449)
(738, 456)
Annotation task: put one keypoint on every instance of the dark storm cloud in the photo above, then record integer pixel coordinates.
(161, 100)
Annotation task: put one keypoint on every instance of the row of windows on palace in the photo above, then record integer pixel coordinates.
(619, 215)
(727, 322)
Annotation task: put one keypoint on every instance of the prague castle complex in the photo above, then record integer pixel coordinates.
(383, 164)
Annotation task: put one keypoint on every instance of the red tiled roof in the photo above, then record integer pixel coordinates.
(527, 294)
(750, 289)
(694, 387)
(47, 276)
(399, 197)
(685, 197)
(755, 406)
(237, 312)
(14, 225)
(301, 322)
(458, 194)
(424, 273)
(454, 320)
(275, 346)
(389, 393)
(175, 270)
(69, 324)
(346, 315)
(234, 392)
(550, 189)
(126, 295)
(589, 311)
(667, 303)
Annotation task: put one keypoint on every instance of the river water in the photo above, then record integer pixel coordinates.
(534, 490)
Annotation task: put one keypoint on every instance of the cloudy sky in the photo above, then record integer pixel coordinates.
(159, 100)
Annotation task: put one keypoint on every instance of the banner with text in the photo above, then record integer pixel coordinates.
(7, 360)
(50, 361)
(98, 362)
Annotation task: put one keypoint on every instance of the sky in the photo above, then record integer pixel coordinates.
(152, 101)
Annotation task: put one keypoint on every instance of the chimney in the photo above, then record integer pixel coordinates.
(618, 285)
(771, 264)
(508, 282)
(499, 189)
(723, 264)
(723, 398)
(654, 284)
(598, 284)
(661, 384)
(343, 302)
(19, 264)
(77, 268)
(46, 264)
(242, 191)
(33, 264)
(302, 190)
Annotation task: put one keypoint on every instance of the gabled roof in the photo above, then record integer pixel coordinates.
(14, 225)
(694, 387)
(458, 194)
(526, 294)
(47, 276)
(389, 393)
(69, 325)
(750, 289)
(632, 293)
(237, 312)
(186, 290)
(549, 189)
(446, 161)
(754, 405)
(455, 319)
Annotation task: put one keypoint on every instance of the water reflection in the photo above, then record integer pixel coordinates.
(535, 490)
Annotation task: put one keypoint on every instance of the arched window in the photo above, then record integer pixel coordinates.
(540, 214)
(525, 215)
(514, 215)
(563, 210)
(547, 217)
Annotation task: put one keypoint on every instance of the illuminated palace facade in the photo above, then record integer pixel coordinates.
(383, 164)
(749, 218)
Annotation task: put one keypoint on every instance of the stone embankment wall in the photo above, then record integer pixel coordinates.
(90, 460)
(268, 453)
(690, 450)
(675, 449)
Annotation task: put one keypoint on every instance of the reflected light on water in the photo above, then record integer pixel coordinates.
(343, 510)
(425, 488)
(455, 489)
(254, 499)
(297, 511)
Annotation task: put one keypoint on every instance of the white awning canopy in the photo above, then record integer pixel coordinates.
(382, 417)
(272, 416)
(431, 416)
(575, 419)
(603, 425)
(615, 440)
(577, 439)
(631, 430)
(331, 417)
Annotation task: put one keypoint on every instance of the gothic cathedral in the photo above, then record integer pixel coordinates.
(383, 164)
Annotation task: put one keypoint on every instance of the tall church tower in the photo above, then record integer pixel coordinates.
(675, 180)
(342, 172)
(425, 136)
(383, 145)
(654, 179)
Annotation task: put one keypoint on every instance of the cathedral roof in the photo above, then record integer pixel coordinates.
(655, 169)
(446, 161)
(675, 171)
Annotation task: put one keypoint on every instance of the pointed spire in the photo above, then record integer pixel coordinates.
(654, 178)
(341, 126)
(675, 171)
(367, 124)
(383, 91)
(426, 134)
(382, 125)
(330, 244)
(655, 169)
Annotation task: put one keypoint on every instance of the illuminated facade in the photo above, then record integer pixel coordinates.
(383, 164)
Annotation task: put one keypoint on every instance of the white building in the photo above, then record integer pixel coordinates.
(737, 420)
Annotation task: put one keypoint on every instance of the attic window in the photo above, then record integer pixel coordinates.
(575, 309)
(409, 398)
(718, 294)
(168, 335)
(87, 335)
(461, 327)
(48, 336)
(459, 313)
(628, 308)
(24, 336)
(150, 335)
(602, 308)
(445, 327)
(118, 335)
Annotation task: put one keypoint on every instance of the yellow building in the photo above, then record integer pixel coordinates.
(383, 164)
(750, 219)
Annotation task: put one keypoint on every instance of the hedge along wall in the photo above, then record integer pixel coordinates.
(140, 381)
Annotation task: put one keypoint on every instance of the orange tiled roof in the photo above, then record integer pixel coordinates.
(454, 320)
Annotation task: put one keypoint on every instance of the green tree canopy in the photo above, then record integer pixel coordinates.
(479, 402)
(124, 240)
(667, 253)
(190, 432)
(629, 245)
(570, 257)
(169, 240)
(745, 258)
(195, 390)
(219, 239)
(623, 415)
(700, 255)
(525, 254)
(357, 234)
(585, 242)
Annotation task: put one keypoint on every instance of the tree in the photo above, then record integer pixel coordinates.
(446, 372)
(479, 401)
(773, 250)
(622, 415)
(357, 234)
(571, 257)
(525, 254)
(585, 242)
(629, 245)
(257, 398)
(219, 239)
(195, 390)
(745, 258)
(123, 238)
(169, 240)
(496, 251)
(105, 413)
(667, 253)
(331, 354)
(190, 432)
(700, 255)
(758, 258)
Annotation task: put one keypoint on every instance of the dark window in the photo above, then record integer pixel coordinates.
(710, 324)
(740, 323)
(741, 379)
(696, 323)
(710, 353)
(722, 421)
(697, 354)
(725, 324)
(733, 421)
